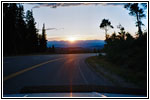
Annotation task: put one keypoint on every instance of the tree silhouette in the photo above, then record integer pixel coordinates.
(9, 28)
(137, 12)
(144, 5)
(20, 30)
(20, 35)
(39, 42)
(6, 45)
(43, 39)
(53, 49)
(105, 24)
(124, 50)
(32, 35)
(122, 32)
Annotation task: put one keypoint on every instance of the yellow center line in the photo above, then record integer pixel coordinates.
(27, 69)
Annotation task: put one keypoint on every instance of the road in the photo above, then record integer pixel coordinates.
(43, 70)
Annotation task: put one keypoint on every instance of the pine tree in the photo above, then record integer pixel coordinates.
(21, 30)
(20, 35)
(5, 29)
(9, 28)
(43, 41)
(32, 36)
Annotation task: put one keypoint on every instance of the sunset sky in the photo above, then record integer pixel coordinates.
(80, 21)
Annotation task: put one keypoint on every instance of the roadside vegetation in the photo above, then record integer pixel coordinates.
(119, 76)
(126, 55)
(20, 35)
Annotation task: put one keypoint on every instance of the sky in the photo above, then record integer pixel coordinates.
(80, 21)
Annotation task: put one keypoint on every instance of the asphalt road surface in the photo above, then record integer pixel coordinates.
(44, 70)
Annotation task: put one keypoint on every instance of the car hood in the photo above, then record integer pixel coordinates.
(89, 94)
(78, 91)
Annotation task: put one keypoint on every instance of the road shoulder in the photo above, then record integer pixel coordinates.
(113, 75)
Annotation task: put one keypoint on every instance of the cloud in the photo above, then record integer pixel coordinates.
(49, 29)
(113, 4)
(36, 7)
(56, 5)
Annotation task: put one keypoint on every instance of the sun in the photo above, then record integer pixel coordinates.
(71, 39)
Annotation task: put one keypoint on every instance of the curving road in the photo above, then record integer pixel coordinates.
(43, 70)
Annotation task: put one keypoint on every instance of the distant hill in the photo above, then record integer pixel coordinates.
(90, 44)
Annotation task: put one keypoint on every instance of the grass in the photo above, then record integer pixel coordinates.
(99, 62)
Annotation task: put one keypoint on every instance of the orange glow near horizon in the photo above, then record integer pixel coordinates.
(72, 39)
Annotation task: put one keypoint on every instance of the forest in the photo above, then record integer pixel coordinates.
(125, 50)
(20, 35)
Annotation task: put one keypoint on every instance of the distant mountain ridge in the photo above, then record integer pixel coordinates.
(80, 43)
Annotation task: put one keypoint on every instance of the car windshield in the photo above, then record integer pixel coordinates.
(98, 48)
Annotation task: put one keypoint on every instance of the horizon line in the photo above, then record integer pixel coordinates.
(77, 40)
